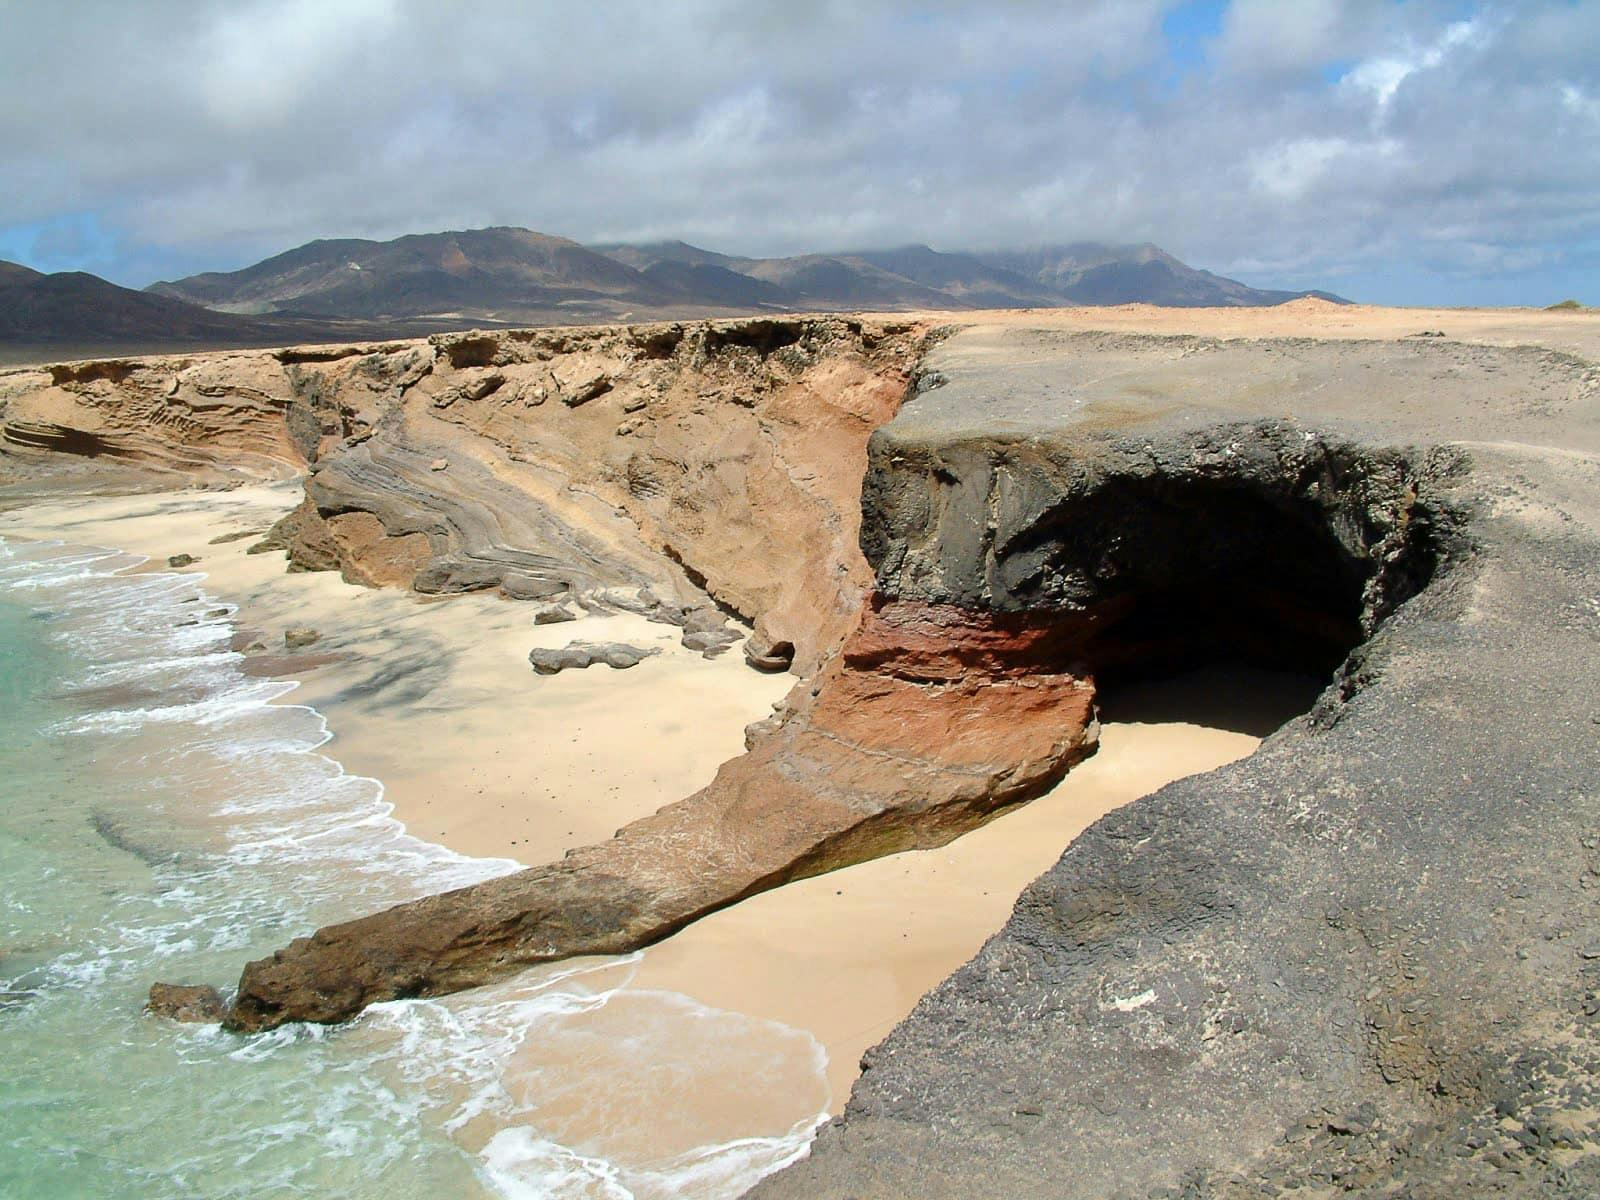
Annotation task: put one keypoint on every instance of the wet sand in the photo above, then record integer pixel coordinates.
(435, 698)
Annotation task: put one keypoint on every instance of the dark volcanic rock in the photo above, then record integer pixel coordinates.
(555, 613)
(1352, 963)
(531, 587)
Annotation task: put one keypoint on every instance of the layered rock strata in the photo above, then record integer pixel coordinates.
(711, 463)
(1363, 961)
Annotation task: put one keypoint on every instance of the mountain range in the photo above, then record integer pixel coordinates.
(353, 287)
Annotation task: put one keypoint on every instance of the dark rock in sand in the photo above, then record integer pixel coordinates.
(768, 656)
(450, 573)
(181, 560)
(198, 1005)
(710, 643)
(532, 587)
(223, 539)
(300, 638)
(554, 614)
(579, 655)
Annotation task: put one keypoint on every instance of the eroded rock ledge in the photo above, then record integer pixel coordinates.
(899, 744)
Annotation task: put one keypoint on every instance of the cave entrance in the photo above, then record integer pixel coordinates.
(1233, 599)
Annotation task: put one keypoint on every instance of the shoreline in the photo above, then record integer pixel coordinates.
(416, 692)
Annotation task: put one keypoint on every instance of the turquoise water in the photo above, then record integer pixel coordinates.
(165, 817)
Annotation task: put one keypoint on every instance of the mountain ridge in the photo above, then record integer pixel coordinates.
(362, 289)
(506, 272)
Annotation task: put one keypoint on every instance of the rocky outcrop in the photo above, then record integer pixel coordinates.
(1354, 963)
(196, 1005)
(186, 412)
(714, 462)
(966, 685)
(930, 722)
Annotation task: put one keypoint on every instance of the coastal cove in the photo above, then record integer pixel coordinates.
(753, 1018)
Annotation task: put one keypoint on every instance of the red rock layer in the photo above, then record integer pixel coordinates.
(930, 721)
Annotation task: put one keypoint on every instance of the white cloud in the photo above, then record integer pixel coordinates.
(1382, 76)
(1311, 136)
(1575, 101)
(257, 62)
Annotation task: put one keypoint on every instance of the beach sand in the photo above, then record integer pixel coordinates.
(435, 698)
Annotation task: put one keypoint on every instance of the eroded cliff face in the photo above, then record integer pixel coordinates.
(180, 412)
(717, 462)
(720, 460)
(1008, 573)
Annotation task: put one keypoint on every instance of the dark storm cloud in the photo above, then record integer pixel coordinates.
(1357, 144)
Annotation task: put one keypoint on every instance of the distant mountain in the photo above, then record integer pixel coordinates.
(648, 253)
(965, 276)
(508, 275)
(355, 288)
(81, 309)
(494, 273)
(1094, 273)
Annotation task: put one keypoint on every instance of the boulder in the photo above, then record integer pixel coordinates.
(531, 587)
(711, 642)
(586, 389)
(178, 1002)
(554, 613)
(301, 637)
(617, 655)
(768, 655)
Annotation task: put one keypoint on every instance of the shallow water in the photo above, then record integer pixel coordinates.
(164, 817)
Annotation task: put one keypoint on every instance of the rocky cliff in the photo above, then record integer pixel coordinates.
(1361, 961)
(713, 463)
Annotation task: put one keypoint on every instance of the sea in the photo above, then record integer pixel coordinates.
(166, 817)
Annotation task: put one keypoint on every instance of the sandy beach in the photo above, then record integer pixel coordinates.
(435, 699)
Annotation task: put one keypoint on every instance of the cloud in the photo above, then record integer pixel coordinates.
(1295, 142)
(1382, 76)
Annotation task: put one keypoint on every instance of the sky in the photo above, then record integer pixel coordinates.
(1405, 153)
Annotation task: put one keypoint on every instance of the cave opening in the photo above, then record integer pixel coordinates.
(1231, 600)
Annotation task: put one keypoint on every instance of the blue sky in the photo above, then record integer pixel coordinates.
(1423, 152)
